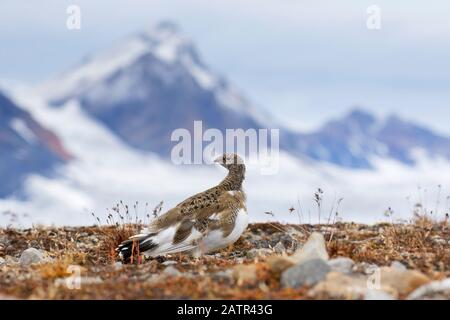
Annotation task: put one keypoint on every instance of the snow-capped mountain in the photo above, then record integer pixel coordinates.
(151, 84)
(26, 147)
(115, 113)
(354, 140)
(106, 170)
(155, 82)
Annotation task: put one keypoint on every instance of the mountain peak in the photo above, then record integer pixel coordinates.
(167, 26)
(26, 146)
(360, 115)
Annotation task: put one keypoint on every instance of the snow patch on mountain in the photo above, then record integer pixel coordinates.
(105, 170)
(20, 126)
(117, 75)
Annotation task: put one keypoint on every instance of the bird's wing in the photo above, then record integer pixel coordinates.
(181, 228)
(200, 208)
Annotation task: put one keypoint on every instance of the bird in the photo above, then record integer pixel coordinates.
(203, 223)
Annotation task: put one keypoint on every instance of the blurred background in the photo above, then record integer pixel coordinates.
(86, 114)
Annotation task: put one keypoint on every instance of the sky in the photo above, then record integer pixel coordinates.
(304, 61)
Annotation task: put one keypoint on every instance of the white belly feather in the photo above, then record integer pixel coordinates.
(212, 241)
(215, 239)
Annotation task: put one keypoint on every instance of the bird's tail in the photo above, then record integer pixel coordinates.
(137, 244)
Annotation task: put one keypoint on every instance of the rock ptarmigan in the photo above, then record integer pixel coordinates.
(205, 222)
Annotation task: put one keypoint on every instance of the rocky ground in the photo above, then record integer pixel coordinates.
(270, 261)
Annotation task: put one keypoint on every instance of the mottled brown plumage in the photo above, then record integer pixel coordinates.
(195, 219)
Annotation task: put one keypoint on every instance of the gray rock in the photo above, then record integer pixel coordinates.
(307, 273)
(377, 295)
(314, 248)
(169, 263)
(342, 264)
(284, 238)
(2, 261)
(30, 256)
(279, 247)
(171, 271)
(397, 265)
(433, 290)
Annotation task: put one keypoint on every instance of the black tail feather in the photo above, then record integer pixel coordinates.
(130, 247)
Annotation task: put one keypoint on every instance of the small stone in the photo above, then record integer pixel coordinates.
(404, 282)
(169, 263)
(279, 247)
(314, 248)
(342, 264)
(339, 286)
(436, 290)
(245, 273)
(278, 264)
(30, 256)
(2, 261)
(307, 274)
(171, 271)
(397, 265)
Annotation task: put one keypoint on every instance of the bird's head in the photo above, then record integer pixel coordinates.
(230, 161)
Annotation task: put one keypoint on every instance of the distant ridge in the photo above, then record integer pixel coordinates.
(26, 147)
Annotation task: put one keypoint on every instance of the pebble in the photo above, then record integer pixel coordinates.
(2, 261)
(314, 248)
(404, 282)
(278, 264)
(340, 286)
(307, 274)
(279, 247)
(30, 256)
(342, 264)
(285, 239)
(433, 290)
